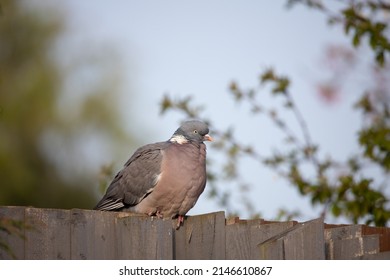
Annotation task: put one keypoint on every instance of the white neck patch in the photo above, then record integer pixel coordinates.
(179, 139)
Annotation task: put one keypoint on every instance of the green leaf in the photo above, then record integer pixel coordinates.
(365, 104)
(380, 58)
(267, 76)
(336, 210)
(356, 39)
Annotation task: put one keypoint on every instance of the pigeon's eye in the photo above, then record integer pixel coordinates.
(195, 131)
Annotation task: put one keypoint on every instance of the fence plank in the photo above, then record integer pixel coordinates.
(238, 242)
(371, 244)
(242, 237)
(265, 231)
(307, 242)
(347, 242)
(272, 249)
(334, 237)
(14, 242)
(384, 240)
(93, 234)
(49, 236)
(201, 237)
(144, 238)
(304, 241)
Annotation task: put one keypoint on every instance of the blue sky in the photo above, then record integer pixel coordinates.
(198, 48)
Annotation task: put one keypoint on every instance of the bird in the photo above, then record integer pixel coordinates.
(163, 179)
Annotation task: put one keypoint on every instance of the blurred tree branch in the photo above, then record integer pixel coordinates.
(360, 18)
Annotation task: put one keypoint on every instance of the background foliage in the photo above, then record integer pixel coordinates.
(343, 188)
(46, 132)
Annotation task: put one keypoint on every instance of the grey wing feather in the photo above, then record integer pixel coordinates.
(136, 180)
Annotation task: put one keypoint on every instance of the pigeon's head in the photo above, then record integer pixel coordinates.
(191, 131)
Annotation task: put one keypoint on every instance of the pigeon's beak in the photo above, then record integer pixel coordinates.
(207, 138)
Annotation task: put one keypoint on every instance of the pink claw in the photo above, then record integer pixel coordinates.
(180, 220)
(159, 215)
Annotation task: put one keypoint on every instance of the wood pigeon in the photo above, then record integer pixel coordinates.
(163, 179)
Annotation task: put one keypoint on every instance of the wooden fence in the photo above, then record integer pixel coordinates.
(88, 234)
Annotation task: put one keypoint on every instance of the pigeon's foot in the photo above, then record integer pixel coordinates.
(159, 215)
(180, 220)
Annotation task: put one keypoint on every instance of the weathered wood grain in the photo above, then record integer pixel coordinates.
(243, 237)
(384, 236)
(143, 237)
(14, 242)
(272, 249)
(92, 234)
(49, 235)
(348, 242)
(201, 237)
(304, 241)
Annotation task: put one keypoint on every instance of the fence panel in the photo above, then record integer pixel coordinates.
(89, 234)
